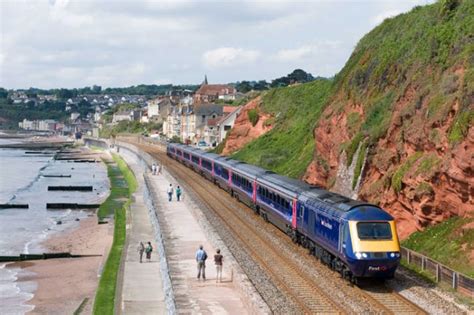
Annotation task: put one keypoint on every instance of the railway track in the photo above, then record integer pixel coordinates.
(304, 291)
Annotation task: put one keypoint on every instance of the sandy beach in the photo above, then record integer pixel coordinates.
(63, 284)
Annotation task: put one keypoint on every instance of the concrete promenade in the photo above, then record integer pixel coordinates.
(142, 291)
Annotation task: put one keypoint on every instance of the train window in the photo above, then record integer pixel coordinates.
(206, 164)
(374, 231)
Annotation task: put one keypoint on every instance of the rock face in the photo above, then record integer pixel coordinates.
(243, 132)
(414, 172)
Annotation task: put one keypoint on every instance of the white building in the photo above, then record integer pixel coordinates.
(75, 116)
(227, 122)
(153, 108)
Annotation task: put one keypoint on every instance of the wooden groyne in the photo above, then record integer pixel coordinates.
(40, 152)
(54, 175)
(71, 206)
(70, 188)
(25, 257)
(13, 206)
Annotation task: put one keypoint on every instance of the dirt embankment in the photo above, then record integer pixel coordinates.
(243, 131)
(414, 172)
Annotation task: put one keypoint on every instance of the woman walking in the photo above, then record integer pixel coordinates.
(148, 251)
(218, 258)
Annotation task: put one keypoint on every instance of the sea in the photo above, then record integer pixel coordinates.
(23, 230)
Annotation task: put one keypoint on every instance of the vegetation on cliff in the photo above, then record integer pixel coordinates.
(288, 147)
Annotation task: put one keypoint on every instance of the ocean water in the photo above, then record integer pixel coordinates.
(23, 230)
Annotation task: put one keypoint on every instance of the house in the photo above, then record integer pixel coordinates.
(75, 116)
(172, 123)
(208, 93)
(153, 107)
(203, 114)
(227, 121)
(127, 115)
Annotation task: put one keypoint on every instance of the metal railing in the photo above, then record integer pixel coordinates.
(442, 274)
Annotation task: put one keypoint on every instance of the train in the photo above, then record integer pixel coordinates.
(355, 238)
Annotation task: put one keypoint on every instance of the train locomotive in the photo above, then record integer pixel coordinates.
(355, 238)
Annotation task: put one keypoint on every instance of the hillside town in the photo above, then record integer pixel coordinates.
(200, 117)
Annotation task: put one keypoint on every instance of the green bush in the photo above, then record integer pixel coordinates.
(253, 116)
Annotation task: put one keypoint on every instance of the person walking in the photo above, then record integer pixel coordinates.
(170, 192)
(141, 249)
(218, 258)
(178, 193)
(201, 257)
(153, 169)
(148, 251)
(160, 168)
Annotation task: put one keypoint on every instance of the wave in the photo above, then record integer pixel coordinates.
(33, 181)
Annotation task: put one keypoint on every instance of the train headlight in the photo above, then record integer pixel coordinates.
(360, 255)
(394, 255)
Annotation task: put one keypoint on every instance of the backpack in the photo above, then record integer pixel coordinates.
(204, 255)
(149, 249)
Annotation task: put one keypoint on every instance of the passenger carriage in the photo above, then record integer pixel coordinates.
(244, 183)
(207, 164)
(277, 199)
(223, 172)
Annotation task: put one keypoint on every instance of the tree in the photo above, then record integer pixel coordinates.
(96, 89)
(3, 93)
(64, 94)
(243, 87)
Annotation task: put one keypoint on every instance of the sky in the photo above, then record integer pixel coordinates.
(117, 43)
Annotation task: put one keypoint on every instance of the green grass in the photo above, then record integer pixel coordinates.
(460, 126)
(117, 203)
(289, 147)
(402, 170)
(447, 243)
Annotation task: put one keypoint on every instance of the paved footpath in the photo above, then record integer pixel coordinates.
(142, 291)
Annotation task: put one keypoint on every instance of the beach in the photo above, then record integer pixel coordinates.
(63, 284)
(56, 286)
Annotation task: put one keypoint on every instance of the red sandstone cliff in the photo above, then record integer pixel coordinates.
(243, 132)
(436, 175)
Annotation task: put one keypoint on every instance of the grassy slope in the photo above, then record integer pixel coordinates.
(288, 148)
(105, 296)
(447, 243)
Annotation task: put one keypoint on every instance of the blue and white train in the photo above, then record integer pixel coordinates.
(355, 238)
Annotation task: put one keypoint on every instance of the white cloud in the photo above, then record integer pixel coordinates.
(306, 51)
(292, 54)
(229, 56)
